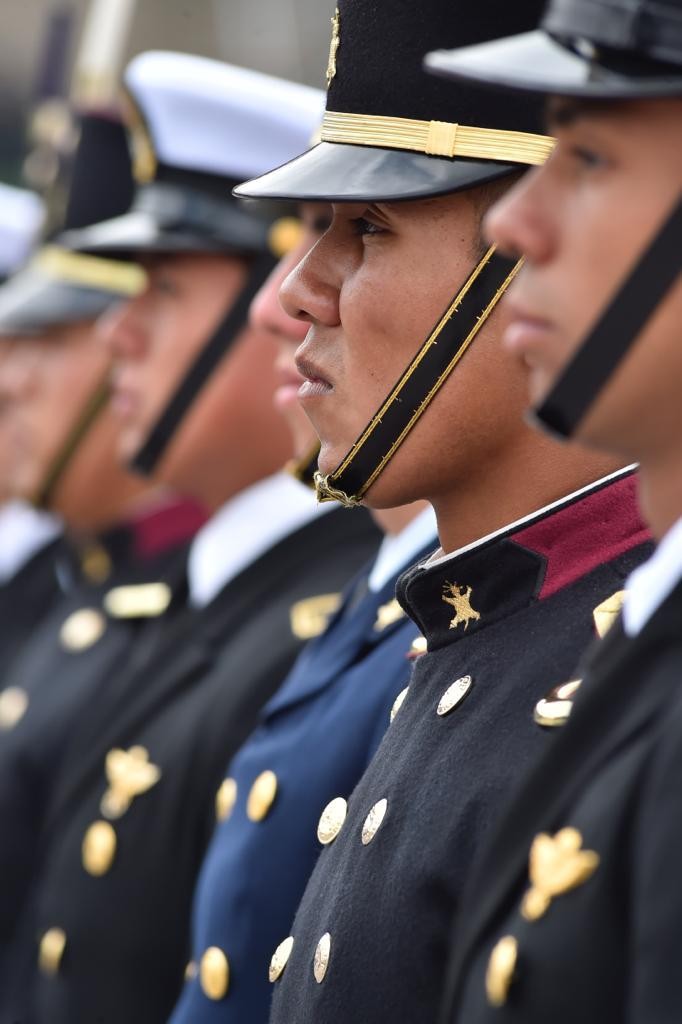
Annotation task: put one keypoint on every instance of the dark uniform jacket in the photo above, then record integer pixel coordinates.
(316, 735)
(504, 620)
(593, 934)
(76, 649)
(26, 598)
(134, 806)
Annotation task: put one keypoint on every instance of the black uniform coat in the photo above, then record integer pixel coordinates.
(26, 598)
(125, 930)
(606, 951)
(71, 655)
(503, 621)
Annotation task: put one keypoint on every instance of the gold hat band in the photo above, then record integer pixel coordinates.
(90, 271)
(436, 138)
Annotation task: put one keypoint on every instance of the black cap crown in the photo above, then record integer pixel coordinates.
(376, 83)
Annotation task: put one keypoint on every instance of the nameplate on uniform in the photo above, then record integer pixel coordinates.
(140, 601)
(310, 616)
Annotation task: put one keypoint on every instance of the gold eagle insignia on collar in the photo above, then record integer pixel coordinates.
(557, 864)
(129, 773)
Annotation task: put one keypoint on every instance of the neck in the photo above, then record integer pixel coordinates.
(393, 521)
(540, 474)
(660, 491)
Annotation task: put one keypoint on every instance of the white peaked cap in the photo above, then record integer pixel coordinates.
(21, 218)
(207, 116)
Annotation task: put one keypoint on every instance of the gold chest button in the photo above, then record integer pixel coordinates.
(321, 958)
(453, 695)
(280, 958)
(226, 798)
(13, 705)
(214, 973)
(331, 820)
(99, 848)
(373, 821)
(500, 972)
(398, 702)
(262, 796)
(51, 951)
(82, 629)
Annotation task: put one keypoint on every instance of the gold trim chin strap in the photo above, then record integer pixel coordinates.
(436, 138)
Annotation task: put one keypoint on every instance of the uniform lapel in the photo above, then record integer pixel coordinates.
(613, 706)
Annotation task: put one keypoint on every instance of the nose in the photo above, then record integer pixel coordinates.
(121, 330)
(266, 313)
(520, 223)
(310, 292)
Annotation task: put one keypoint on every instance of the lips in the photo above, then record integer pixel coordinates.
(315, 384)
(525, 332)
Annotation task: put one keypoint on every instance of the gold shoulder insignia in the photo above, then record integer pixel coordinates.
(557, 865)
(389, 613)
(310, 616)
(556, 707)
(606, 613)
(139, 601)
(129, 773)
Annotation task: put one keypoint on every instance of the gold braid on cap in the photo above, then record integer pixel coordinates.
(436, 138)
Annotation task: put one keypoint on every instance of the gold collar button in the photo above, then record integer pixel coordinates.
(82, 629)
(226, 798)
(99, 848)
(373, 821)
(280, 958)
(454, 694)
(331, 820)
(13, 706)
(262, 796)
(398, 702)
(321, 958)
(51, 951)
(501, 970)
(214, 973)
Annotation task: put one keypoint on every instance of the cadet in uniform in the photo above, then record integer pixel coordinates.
(134, 805)
(30, 539)
(119, 536)
(328, 715)
(534, 537)
(575, 913)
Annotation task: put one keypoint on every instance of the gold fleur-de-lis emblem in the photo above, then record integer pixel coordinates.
(557, 865)
(129, 773)
(333, 47)
(460, 599)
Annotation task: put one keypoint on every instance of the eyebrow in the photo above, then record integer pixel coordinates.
(564, 111)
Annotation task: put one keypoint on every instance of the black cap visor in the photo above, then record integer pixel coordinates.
(336, 172)
(32, 302)
(533, 62)
(135, 234)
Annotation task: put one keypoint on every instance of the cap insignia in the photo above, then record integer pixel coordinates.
(459, 597)
(333, 47)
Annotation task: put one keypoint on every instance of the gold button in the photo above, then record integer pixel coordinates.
(606, 613)
(500, 972)
(191, 970)
(82, 629)
(226, 798)
(453, 695)
(556, 707)
(214, 973)
(13, 704)
(99, 848)
(280, 958)
(321, 958)
(262, 795)
(331, 820)
(96, 563)
(398, 702)
(419, 647)
(284, 235)
(373, 821)
(51, 950)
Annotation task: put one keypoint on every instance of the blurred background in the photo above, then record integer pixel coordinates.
(53, 51)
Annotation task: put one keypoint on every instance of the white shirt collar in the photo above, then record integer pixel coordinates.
(439, 556)
(651, 583)
(24, 530)
(398, 550)
(243, 529)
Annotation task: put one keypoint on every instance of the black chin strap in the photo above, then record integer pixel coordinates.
(198, 374)
(421, 381)
(616, 330)
(91, 412)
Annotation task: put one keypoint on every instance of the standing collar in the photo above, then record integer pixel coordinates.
(399, 549)
(650, 584)
(24, 530)
(243, 529)
(452, 596)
